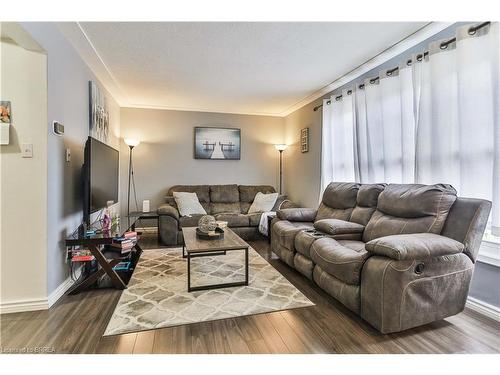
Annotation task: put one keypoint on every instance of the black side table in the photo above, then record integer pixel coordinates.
(269, 219)
(138, 215)
(95, 242)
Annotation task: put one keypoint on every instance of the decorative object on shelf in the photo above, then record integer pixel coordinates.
(281, 148)
(208, 229)
(131, 143)
(217, 143)
(304, 140)
(106, 220)
(207, 224)
(5, 112)
(5, 119)
(98, 113)
(217, 234)
(221, 224)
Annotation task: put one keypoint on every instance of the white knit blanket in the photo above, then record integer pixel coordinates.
(263, 221)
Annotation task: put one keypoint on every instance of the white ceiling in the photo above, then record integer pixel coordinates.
(251, 67)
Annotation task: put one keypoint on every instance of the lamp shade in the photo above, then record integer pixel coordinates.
(280, 147)
(131, 142)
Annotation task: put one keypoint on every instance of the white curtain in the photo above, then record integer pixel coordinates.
(458, 130)
(434, 120)
(338, 155)
(385, 128)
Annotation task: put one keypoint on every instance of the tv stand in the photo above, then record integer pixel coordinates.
(94, 243)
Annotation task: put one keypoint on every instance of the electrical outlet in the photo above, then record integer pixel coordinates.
(27, 150)
(68, 155)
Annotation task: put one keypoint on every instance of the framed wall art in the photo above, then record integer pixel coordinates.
(217, 143)
(304, 140)
(98, 113)
(5, 112)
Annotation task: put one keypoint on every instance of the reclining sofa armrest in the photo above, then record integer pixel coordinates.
(337, 227)
(297, 214)
(166, 209)
(414, 246)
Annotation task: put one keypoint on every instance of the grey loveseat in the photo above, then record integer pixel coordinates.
(226, 202)
(399, 255)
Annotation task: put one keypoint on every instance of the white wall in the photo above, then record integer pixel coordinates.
(165, 156)
(68, 103)
(23, 192)
(303, 170)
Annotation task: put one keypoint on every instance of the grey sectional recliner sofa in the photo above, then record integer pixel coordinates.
(399, 255)
(226, 202)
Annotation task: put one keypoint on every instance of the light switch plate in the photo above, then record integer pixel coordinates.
(68, 155)
(27, 150)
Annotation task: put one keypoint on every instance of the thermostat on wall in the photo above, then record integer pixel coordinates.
(58, 128)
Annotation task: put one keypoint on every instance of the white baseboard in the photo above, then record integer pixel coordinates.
(24, 305)
(38, 304)
(483, 308)
(59, 291)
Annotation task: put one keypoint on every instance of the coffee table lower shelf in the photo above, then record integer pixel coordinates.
(195, 254)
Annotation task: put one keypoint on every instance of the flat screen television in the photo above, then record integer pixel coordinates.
(100, 177)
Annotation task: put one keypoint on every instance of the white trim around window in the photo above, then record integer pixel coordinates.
(489, 253)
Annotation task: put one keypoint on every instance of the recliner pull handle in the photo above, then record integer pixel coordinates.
(419, 268)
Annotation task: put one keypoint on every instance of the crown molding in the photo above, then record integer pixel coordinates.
(199, 109)
(77, 37)
(412, 40)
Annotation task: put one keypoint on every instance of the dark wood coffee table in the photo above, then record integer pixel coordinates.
(194, 247)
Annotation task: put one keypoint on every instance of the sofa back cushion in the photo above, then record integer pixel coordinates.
(410, 208)
(224, 198)
(366, 203)
(248, 192)
(338, 201)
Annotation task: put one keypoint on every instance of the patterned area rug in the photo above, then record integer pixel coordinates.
(157, 295)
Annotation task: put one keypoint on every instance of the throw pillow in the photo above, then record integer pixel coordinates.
(188, 204)
(263, 202)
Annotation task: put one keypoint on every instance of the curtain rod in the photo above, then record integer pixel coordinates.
(472, 30)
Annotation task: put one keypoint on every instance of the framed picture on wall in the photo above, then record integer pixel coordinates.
(217, 143)
(5, 112)
(304, 140)
(98, 113)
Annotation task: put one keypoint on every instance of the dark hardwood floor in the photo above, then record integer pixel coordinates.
(76, 324)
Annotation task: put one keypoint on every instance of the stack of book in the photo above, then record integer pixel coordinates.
(81, 256)
(125, 243)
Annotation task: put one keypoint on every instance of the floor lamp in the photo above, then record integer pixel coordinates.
(131, 143)
(281, 148)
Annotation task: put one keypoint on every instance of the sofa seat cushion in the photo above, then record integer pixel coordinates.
(343, 259)
(233, 220)
(254, 219)
(189, 221)
(284, 232)
(304, 240)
